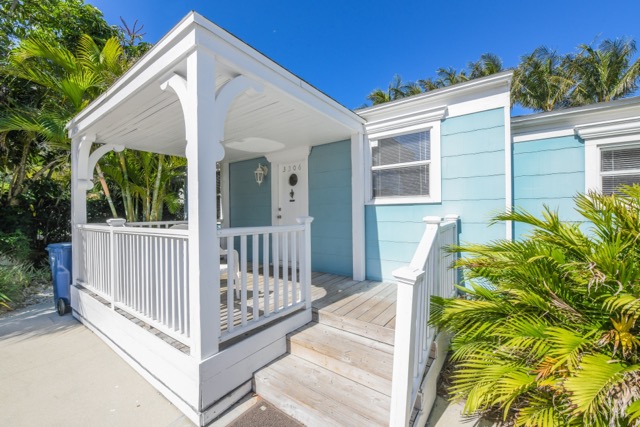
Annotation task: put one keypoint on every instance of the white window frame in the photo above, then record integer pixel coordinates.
(620, 172)
(435, 164)
(614, 134)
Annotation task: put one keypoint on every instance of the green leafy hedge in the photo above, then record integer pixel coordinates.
(554, 339)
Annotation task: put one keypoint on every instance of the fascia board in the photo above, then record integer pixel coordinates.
(568, 119)
(476, 88)
(609, 129)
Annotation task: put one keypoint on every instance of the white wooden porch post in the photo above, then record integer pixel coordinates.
(203, 151)
(306, 258)
(205, 111)
(80, 149)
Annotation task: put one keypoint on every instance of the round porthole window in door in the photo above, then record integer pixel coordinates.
(293, 179)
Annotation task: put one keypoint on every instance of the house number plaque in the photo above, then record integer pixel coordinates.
(293, 178)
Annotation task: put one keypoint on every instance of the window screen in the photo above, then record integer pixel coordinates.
(400, 165)
(619, 167)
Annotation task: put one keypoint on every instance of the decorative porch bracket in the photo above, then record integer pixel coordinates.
(204, 135)
(227, 94)
(223, 99)
(87, 163)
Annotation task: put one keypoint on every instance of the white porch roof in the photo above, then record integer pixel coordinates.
(288, 113)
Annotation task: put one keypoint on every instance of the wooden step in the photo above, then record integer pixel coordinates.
(316, 396)
(355, 326)
(360, 359)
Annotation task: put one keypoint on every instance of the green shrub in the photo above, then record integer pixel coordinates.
(15, 278)
(15, 245)
(547, 332)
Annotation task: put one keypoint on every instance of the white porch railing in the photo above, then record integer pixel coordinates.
(428, 274)
(142, 271)
(284, 253)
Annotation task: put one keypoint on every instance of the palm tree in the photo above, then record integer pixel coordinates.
(145, 182)
(70, 81)
(541, 81)
(397, 89)
(144, 179)
(450, 76)
(604, 74)
(489, 63)
(548, 331)
(429, 84)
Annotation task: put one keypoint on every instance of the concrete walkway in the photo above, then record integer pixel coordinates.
(55, 372)
(447, 414)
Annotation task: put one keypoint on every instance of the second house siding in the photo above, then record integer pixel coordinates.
(547, 172)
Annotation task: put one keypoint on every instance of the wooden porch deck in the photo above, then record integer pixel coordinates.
(368, 307)
(365, 307)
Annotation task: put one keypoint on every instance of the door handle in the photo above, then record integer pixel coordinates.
(279, 217)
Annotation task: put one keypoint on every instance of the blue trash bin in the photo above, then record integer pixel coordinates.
(60, 262)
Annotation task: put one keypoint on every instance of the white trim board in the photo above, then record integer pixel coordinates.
(508, 171)
(358, 180)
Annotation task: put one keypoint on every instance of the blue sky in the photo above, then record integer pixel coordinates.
(347, 48)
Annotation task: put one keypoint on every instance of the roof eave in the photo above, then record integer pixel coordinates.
(177, 34)
(443, 94)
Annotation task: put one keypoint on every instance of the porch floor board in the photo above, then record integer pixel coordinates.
(362, 302)
(364, 306)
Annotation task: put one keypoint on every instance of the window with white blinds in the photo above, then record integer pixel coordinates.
(619, 166)
(400, 165)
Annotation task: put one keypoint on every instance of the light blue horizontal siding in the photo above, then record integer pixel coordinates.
(473, 186)
(547, 172)
(249, 203)
(491, 139)
(330, 206)
(474, 122)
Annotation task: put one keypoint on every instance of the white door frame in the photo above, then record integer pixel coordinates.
(300, 155)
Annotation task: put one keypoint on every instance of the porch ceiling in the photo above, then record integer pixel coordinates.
(288, 113)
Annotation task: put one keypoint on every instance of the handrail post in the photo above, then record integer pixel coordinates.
(113, 222)
(455, 219)
(408, 281)
(306, 258)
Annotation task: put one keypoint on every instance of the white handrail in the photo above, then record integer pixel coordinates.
(167, 232)
(155, 224)
(248, 231)
(427, 274)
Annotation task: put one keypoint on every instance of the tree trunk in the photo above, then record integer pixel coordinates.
(157, 199)
(105, 190)
(16, 185)
(128, 201)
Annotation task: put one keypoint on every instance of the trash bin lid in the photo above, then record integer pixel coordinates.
(58, 245)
